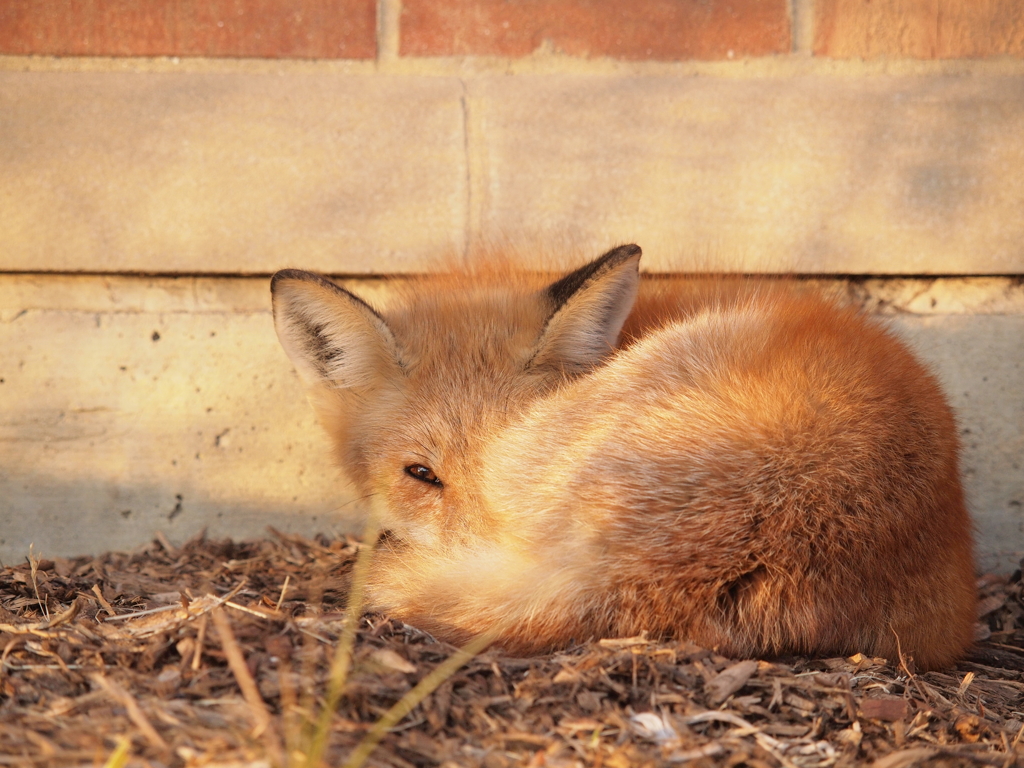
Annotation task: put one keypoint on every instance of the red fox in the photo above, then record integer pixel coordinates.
(743, 464)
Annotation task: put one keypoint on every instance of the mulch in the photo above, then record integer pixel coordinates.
(219, 653)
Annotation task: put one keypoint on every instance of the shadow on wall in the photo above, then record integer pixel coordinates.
(62, 518)
(106, 418)
(978, 360)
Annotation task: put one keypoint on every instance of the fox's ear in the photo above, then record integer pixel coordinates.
(332, 336)
(589, 307)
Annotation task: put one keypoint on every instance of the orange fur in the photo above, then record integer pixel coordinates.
(742, 463)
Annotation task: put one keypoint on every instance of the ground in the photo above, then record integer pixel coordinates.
(220, 653)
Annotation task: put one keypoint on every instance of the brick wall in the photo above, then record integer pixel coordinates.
(662, 30)
(256, 28)
(919, 29)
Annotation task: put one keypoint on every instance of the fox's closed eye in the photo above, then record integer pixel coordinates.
(426, 474)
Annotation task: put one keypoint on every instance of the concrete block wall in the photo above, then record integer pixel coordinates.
(159, 159)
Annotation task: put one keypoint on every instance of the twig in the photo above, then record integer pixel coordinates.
(284, 590)
(197, 657)
(189, 613)
(147, 612)
(63, 667)
(103, 601)
(164, 542)
(263, 614)
(65, 617)
(33, 564)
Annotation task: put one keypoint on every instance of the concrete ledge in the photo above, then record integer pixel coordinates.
(244, 172)
(812, 174)
(227, 173)
(135, 405)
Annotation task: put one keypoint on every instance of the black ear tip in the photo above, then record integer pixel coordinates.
(285, 274)
(301, 274)
(622, 253)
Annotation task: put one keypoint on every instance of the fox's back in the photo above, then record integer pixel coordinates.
(771, 462)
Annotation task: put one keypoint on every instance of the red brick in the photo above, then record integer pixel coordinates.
(919, 29)
(256, 28)
(626, 29)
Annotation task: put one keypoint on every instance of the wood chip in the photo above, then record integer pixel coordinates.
(905, 758)
(728, 681)
(128, 643)
(390, 660)
(888, 708)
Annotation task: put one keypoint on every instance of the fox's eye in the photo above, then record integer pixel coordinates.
(426, 474)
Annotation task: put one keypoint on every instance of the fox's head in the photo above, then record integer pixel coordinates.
(410, 394)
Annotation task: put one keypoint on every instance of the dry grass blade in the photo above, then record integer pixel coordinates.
(119, 757)
(408, 702)
(342, 665)
(134, 711)
(343, 653)
(264, 724)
